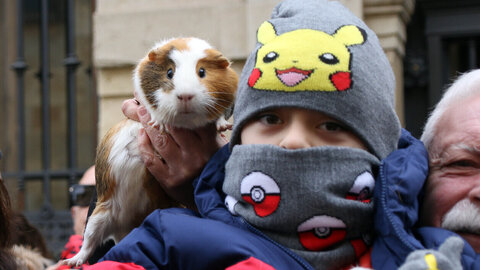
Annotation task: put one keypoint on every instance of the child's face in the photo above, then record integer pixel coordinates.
(294, 128)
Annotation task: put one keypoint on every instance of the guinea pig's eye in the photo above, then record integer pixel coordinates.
(170, 73)
(202, 73)
(270, 57)
(328, 58)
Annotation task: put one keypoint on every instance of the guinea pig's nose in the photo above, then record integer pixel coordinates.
(185, 97)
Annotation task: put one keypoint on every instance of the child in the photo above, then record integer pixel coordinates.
(313, 118)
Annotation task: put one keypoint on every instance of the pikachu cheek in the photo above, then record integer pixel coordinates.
(341, 80)
(256, 74)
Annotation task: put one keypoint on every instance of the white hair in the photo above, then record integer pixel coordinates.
(465, 87)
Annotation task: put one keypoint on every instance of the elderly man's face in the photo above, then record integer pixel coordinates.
(452, 198)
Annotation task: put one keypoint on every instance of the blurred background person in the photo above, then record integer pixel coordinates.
(21, 244)
(80, 197)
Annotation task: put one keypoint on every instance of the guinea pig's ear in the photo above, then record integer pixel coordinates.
(221, 61)
(152, 56)
(216, 58)
(159, 54)
(224, 62)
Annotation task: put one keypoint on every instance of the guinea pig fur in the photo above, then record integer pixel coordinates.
(196, 83)
(182, 82)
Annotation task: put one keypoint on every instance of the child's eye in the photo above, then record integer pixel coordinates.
(332, 126)
(269, 119)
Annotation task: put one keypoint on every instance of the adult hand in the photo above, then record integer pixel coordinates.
(130, 107)
(175, 157)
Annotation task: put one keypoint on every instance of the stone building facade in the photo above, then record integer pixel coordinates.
(123, 31)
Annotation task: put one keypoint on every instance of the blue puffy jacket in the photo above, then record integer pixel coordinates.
(210, 239)
(397, 194)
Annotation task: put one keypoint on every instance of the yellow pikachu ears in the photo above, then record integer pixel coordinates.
(350, 35)
(266, 32)
(347, 34)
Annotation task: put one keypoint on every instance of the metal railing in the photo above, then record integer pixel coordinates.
(55, 225)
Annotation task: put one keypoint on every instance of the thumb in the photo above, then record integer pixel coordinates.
(143, 115)
(452, 248)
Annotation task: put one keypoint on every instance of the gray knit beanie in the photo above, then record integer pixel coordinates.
(315, 54)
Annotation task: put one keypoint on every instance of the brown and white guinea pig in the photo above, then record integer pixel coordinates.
(182, 82)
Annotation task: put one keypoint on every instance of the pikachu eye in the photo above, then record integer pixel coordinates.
(328, 58)
(202, 73)
(270, 57)
(170, 73)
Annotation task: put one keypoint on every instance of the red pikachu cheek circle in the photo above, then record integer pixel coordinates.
(362, 189)
(262, 192)
(321, 232)
(252, 80)
(341, 80)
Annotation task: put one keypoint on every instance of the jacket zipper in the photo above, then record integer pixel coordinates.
(389, 214)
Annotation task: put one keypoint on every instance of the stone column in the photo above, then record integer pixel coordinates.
(125, 29)
(388, 19)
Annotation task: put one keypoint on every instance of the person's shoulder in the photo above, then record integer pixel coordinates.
(411, 148)
(181, 239)
(405, 169)
(220, 157)
(169, 218)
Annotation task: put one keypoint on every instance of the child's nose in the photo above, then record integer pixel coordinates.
(295, 137)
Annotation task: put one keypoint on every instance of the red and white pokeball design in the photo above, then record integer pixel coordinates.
(321, 232)
(261, 191)
(230, 203)
(362, 189)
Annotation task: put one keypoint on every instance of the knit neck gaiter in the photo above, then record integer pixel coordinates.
(314, 201)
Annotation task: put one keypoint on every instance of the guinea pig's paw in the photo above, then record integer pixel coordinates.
(152, 123)
(155, 124)
(162, 128)
(72, 262)
(77, 260)
(223, 125)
